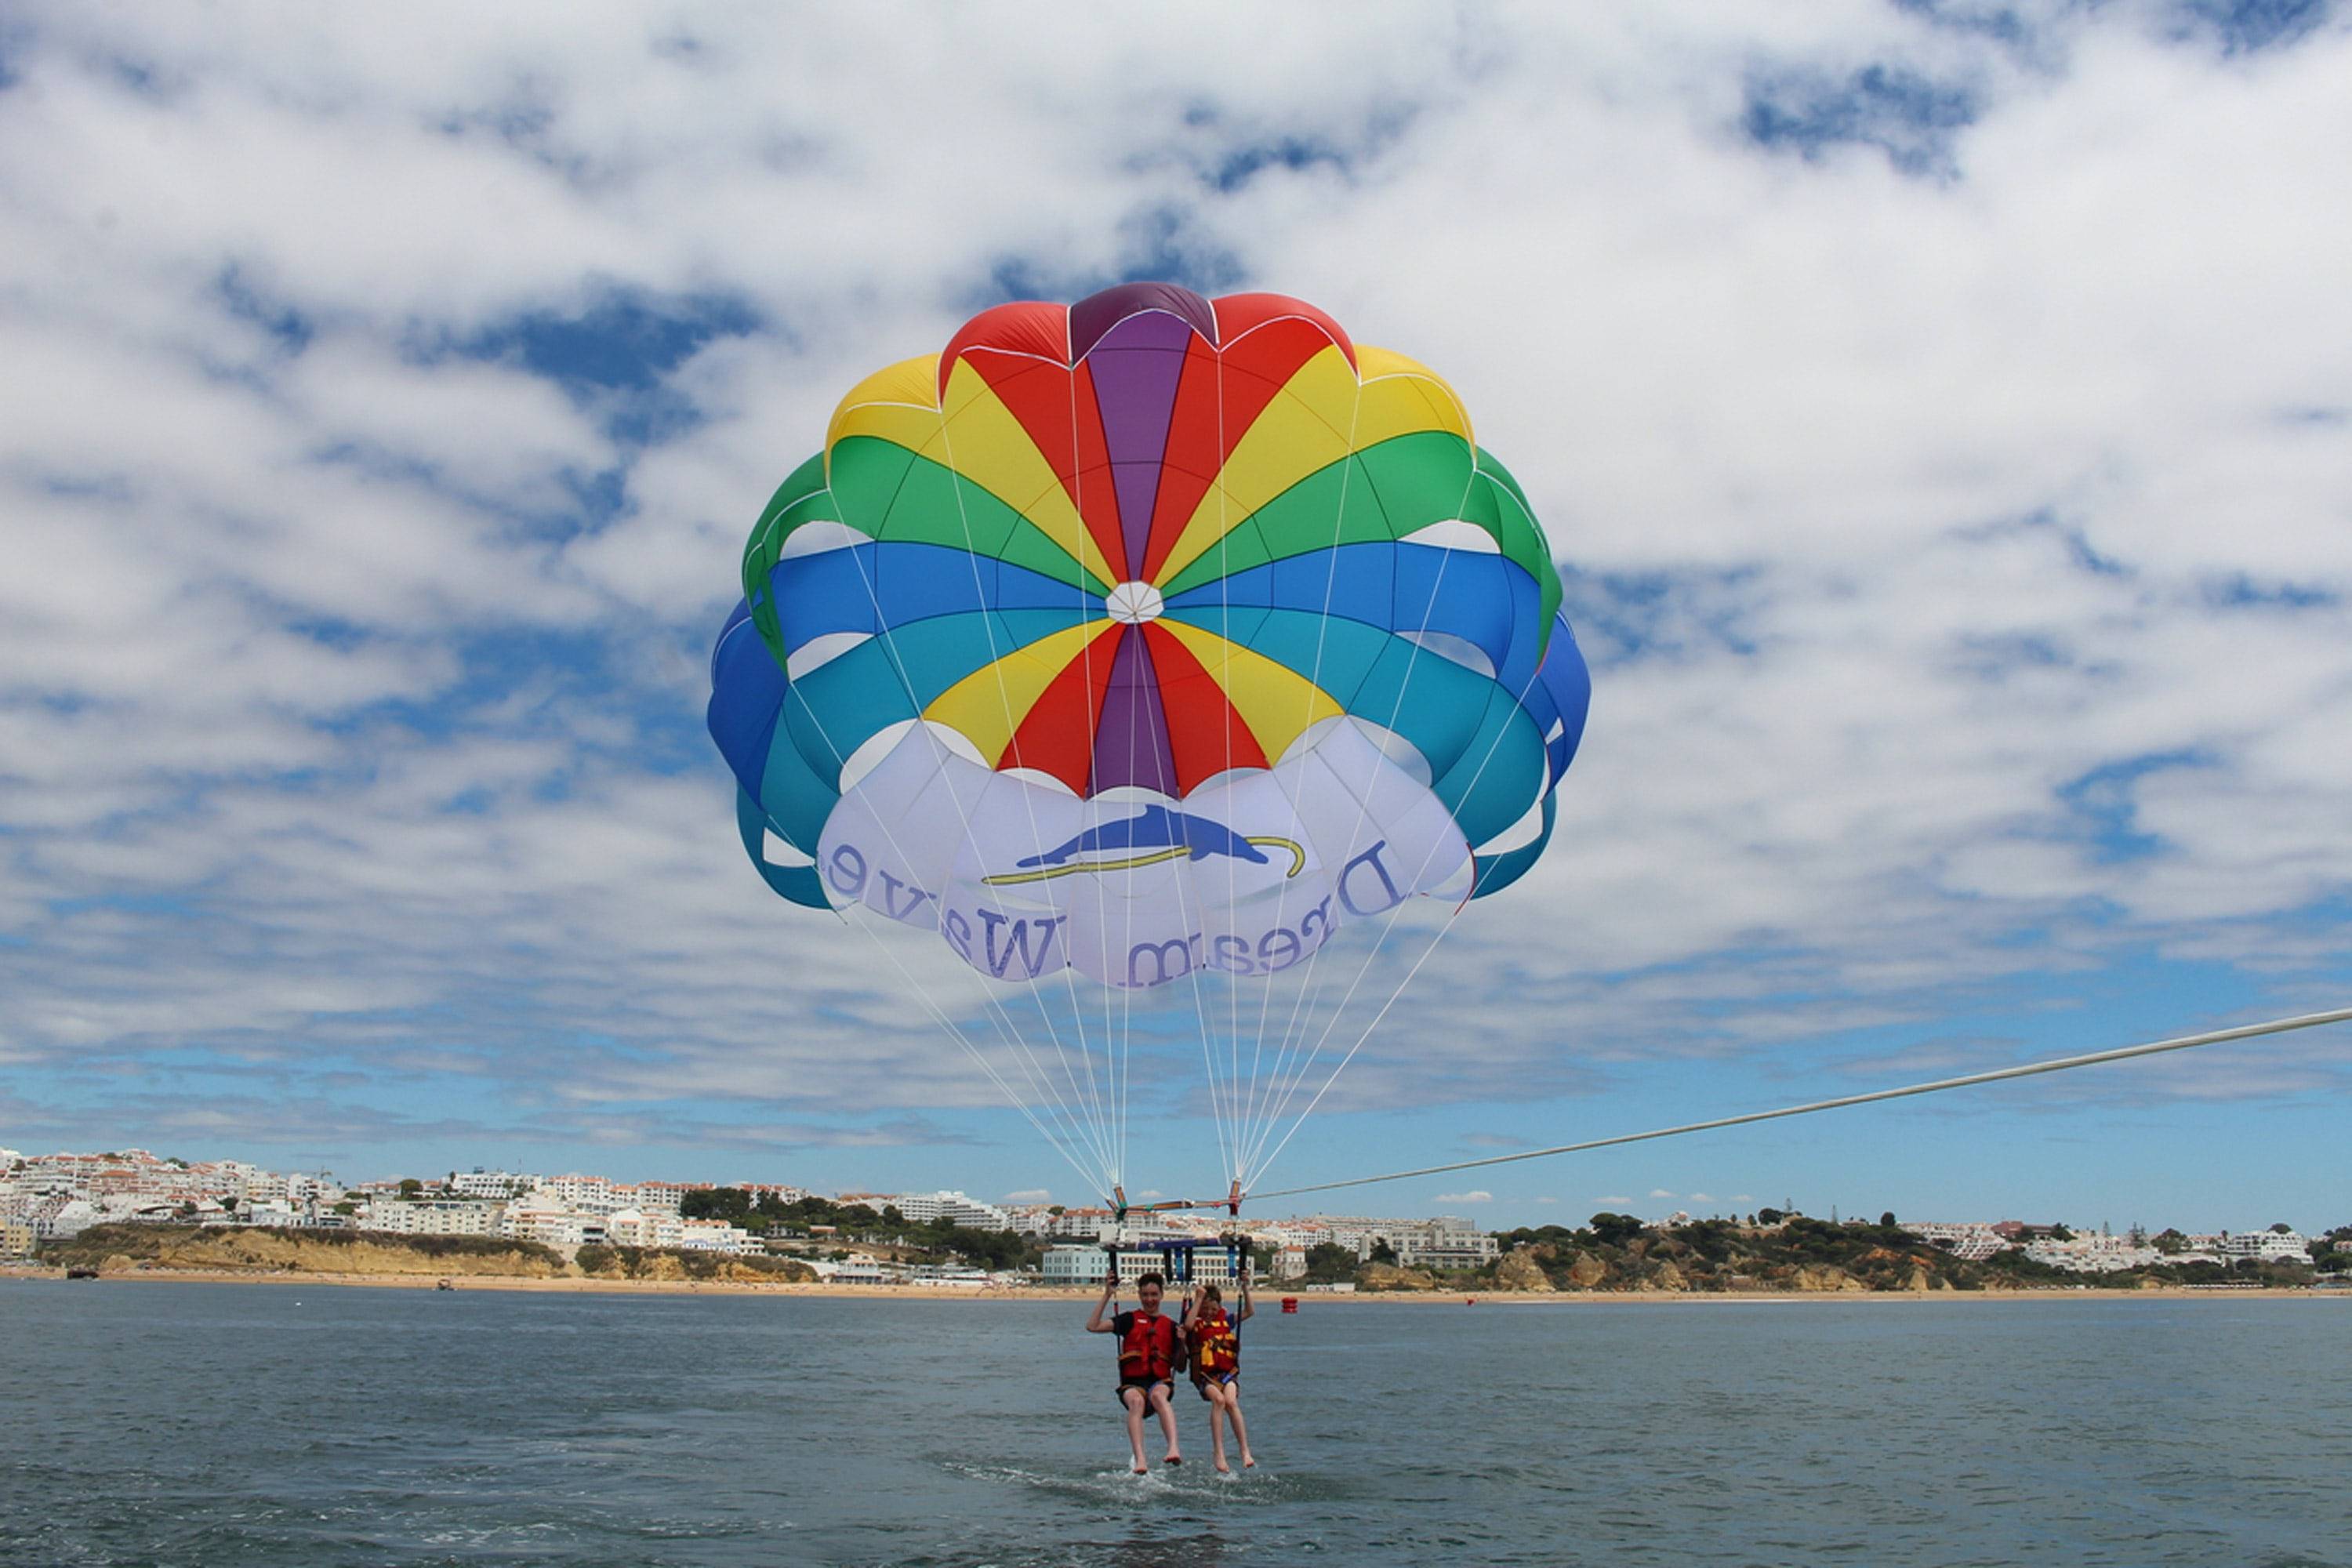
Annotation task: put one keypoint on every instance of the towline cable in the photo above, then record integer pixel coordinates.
(1998, 1074)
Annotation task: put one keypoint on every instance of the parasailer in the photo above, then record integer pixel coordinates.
(1213, 1337)
(1158, 646)
(1151, 1351)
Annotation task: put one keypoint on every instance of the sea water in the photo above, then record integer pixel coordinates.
(187, 1424)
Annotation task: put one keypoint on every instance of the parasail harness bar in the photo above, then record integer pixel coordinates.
(1998, 1074)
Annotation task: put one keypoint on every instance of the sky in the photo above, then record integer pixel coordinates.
(1940, 411)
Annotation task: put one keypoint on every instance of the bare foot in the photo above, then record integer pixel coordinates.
(1248, 1463)
(1224, 1469)
(1173, 1458)
(1142, 1470)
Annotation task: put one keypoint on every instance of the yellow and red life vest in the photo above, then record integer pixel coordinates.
(1216, 1342)
(1148, 1348)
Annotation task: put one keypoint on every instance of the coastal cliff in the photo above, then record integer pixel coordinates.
(127, 1248)
(1618, 1254)
(119, 1248)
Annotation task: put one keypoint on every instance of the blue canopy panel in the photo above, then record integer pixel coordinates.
(1486, 601)
(878, 588)
(776, 791)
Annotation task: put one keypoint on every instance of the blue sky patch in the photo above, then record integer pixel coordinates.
(2248, 26)
(1911, 118)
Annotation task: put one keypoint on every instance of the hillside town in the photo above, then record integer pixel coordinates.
(940, 1238)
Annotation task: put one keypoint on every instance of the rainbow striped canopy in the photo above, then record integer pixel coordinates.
(1138, 546)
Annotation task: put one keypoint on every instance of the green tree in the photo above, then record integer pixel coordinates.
(1616, 1229)
(1887, 1219)
(411, 1189)
(1382, 1251)
(729, 1203)
(1329, 1263)
(1771, 1217)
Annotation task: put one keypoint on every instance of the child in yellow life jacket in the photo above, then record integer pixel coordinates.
(1214, 1337)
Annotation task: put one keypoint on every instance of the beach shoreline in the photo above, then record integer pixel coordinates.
(1082, 1296)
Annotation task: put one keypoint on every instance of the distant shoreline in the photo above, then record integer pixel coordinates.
(1267, 1296)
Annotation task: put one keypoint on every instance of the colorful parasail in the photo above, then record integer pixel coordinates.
(1153, 636)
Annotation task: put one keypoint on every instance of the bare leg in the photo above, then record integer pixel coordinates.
(1233, 1415)
(1166, 1426)
(1217, 1429)
(1133, 1399)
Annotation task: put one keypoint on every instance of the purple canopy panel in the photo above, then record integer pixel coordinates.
(1132, 737)
(1136, 368)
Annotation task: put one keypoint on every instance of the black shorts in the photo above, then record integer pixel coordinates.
(1147, 1385)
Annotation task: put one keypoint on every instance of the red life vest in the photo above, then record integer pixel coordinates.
(1216, 1342)
(1148, 1348)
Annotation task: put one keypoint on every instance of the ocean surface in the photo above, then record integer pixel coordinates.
(246, 1425)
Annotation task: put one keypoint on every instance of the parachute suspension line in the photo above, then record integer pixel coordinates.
(1363, 807)
(1229, 1112)
(957, 1034)
(1443, 932)
(1263, 1082)
(1225, 605)
(1998, 1074)
(1033, 1072)
(1117, 1058)
(1092, 1097)
(1304, 1062)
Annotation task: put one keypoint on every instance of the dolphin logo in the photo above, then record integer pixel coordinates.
(1151, 835)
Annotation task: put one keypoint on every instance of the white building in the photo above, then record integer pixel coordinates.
(1080, 1224)
(961, 1275)
(1445, 1242)
(433, 1216)
(1971, 1241)
(500, 1184)
(1076, 1264)
(550, 1224)
(56, 1218)
(583, 1194)
(655, 1198)
(923, 1209)
(2266, 1246)
(637, 1227)
(2091, 1253)
(716, 1235)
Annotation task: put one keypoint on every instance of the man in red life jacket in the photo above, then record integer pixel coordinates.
(1150, 1352)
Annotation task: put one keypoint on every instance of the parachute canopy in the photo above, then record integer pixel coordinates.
(1153, 636)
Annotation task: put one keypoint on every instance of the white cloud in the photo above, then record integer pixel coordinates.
(1661, 1193)
(1475, 1195)
(1030, 1195)
(1982, 566)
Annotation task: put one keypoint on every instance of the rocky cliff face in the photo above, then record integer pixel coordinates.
(1519, 1271)
(635, 1263)
(1813, 1278)
(1388, 1277)
(117, 1247)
